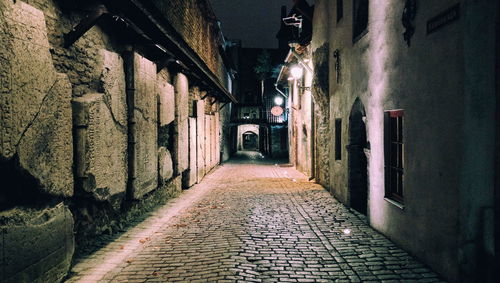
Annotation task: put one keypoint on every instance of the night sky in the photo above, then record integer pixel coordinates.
(255, 22)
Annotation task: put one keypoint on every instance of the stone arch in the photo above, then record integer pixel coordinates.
(246, 128)
(250, 140)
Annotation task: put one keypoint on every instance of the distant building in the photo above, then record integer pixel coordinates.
(255, 125)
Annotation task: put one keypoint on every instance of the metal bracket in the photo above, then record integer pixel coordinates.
(336, 55)
(85, 25)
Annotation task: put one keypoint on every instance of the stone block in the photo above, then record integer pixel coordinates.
(101, 147)
(166, 100)
(215, 141)
(181, 146)
(181, 85)
(35, 107)
(208, 143)
(165, 165)
(192, 176)
(200, 140)
(144, 128)
(218, 138)
(113, 85)
(37, 245)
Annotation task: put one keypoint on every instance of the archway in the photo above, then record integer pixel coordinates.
(245, 140)
(357, 163)
(250, 141)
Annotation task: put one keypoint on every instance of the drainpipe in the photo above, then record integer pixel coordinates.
(128, 60)
(279, 90)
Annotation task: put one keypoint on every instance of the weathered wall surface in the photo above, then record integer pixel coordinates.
(94, 125)
(32, 251)
(201, 145)
(144, 131)
(385, 73)
(181, 127)
(35, 113)
(100, 121)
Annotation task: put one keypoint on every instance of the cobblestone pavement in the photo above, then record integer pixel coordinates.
(253, 223)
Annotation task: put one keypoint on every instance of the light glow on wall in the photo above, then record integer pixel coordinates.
(296, 72)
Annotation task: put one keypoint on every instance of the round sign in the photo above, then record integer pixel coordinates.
(277, 111)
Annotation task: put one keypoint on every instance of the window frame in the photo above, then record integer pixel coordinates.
(340, 10)
(358, 34)
(338, 139)
(394, 154)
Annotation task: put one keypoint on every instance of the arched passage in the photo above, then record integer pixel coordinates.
(357, 170)
(250, 141)
(247, 136)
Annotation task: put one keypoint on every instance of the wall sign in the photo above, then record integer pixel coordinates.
(277, 111)
(445, 18)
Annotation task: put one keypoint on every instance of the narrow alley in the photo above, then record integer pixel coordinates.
(254, 222)
(249, 141)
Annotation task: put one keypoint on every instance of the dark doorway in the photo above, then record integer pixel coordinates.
(358, 181)
(250, 141)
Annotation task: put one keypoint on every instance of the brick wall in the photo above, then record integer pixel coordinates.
(195, 21)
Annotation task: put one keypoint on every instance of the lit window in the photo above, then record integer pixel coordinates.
(394, 155)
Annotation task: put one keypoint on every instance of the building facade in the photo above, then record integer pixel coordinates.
(400, 109)
(106, 108)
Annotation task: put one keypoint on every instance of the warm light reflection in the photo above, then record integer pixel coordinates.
(346, 231)
(296, 72)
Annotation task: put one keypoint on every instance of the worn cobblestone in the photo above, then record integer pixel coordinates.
(253, 223)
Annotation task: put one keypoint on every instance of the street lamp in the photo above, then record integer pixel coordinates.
(278, 100)
(296, 72)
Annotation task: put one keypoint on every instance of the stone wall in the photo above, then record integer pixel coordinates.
(93, 134)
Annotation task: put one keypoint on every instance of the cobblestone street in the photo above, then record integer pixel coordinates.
(255, 222)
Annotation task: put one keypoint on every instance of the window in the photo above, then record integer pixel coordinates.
(340, 9)
(360, 19)
(338, 139)
(394, 155)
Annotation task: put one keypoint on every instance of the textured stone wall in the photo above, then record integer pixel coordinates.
(144, 131)
(35, 109)
(100, 121)
(200, 125)
(94, 125)
(181, 136)
(323, 135)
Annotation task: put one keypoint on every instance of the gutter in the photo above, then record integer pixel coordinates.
(146, 16)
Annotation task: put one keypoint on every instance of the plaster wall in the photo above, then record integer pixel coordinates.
(442, 124)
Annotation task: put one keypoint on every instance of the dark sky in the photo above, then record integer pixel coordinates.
(255, 22)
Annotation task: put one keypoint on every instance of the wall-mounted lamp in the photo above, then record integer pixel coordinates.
(296, 72)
